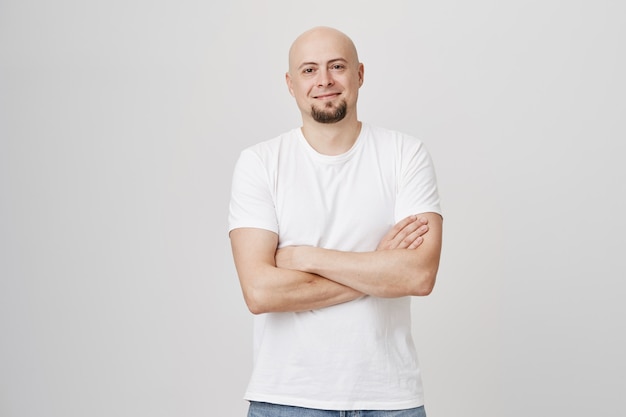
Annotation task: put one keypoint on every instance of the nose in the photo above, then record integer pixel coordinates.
(325, 78)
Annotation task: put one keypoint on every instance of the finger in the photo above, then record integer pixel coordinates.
(398, 227)
(409, 240)
(414, 239)
(408, 234)
(415, 244)
(392, 237)
(404, 233)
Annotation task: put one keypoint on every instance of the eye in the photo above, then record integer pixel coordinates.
(308, 70)
(338, 67)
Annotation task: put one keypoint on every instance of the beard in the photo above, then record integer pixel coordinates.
(330, 114)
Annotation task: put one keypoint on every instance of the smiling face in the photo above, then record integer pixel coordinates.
(324, 75)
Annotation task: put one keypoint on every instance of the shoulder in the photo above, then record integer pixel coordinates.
(271, 147)
(399, 140)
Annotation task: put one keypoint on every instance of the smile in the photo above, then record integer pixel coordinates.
(326, 96)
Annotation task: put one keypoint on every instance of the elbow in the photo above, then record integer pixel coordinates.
(254, 305)
(255, 302)
(255, 308)
(423, 284)
(423, 291)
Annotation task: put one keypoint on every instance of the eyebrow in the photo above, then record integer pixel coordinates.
(304, 64)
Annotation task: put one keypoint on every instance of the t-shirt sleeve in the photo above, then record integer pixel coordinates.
(251, 201)
(417, 182)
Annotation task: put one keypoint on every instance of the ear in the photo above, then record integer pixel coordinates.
(288, 80)
(361, 73)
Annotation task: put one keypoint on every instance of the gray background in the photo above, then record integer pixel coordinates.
(120, 122)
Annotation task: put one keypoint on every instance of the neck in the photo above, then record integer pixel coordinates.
(332, 138)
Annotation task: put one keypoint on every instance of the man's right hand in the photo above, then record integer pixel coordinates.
(406, 234)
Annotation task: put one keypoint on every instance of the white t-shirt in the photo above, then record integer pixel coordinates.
(357, 355)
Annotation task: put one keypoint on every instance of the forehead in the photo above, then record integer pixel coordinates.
(320, 47)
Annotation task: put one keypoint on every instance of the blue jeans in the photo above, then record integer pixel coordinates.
(258, 409)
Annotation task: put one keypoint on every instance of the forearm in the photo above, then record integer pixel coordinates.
(391, 273)
(401, 270)
(274, 289)
(268, 288)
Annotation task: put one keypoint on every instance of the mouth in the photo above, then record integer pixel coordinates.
(327, 96)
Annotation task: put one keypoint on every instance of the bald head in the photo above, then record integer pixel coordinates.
(316, 42)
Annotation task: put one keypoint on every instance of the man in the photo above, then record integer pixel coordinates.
(333, 227)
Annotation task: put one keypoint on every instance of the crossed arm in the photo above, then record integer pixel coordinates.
(298, 278)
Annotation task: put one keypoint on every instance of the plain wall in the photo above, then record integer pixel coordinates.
(120, 122)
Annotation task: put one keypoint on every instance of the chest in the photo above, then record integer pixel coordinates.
(344, 206)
